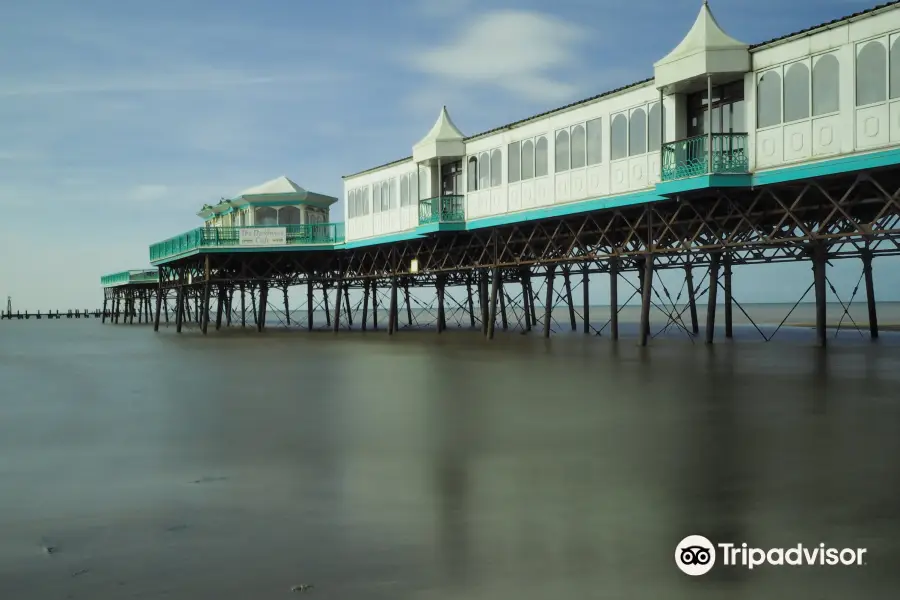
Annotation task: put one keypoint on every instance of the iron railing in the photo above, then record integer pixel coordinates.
(223, 237)
(442, 209)
(690, 158)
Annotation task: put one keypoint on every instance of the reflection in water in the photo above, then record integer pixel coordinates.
(432, 467)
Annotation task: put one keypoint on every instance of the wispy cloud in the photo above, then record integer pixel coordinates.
(514, 50)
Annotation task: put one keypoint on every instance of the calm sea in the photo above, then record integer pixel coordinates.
(440, 467)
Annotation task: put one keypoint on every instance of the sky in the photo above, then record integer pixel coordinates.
(118, 120)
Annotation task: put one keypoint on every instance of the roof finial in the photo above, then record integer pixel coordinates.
(705, 2)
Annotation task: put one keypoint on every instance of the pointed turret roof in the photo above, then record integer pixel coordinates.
(705, 49)
(443, 130)
(444, 139)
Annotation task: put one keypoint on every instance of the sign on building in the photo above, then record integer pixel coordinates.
(263, 236)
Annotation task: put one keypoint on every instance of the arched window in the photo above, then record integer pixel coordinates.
(289, 215)
(895, 69)
(654, 126)
(376, 197)
(484, 171)
(541, 151)
(527, 160)
(871, 71)
(351, 200)
(579, 149)
(796, 92)
(496, 167)
(354, 204)
(472, 174)
(266, 215)
(826, 85)
(562, 151)
(513, 166)
(395, 197)
(366, 209)
(594, 141)
(637, 132)
(618, 137)
(414, 187)
(768, 100)
(404, 190)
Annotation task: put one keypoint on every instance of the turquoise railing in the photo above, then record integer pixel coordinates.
(218, 237)
(125, 277)
(689, 157)
(442, 209)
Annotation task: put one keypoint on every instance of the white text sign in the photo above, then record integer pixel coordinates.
(263, 236)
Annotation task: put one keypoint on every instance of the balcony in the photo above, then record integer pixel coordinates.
(442, 209)
(311, 234)
(690, 157)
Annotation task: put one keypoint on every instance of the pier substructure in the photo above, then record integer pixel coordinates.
(464, 278)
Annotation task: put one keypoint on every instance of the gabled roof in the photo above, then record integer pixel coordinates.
(705, 35)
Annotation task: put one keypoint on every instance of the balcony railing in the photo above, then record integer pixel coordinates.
(442, 209)
(223, 237)
(690, 157)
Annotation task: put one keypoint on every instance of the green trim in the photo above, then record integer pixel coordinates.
(834, 166)
(130, 277)
(668, 188)
(382, 239)
(435, 227)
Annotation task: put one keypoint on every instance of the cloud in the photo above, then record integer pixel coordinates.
(208, 79)
(514, 50)
(147, 192)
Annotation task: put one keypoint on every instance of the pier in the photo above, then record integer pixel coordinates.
(704, 167)
(128, 295)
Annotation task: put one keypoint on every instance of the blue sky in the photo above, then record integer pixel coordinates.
(120, 119)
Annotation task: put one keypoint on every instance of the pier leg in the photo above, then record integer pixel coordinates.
(870, 293)
(820, 255)
(287, 308)
(483, 300)
(116, 302)
(220, 306)
(692, 299)
(228, 305)
(471, 302)
(526, 308)
(408, 303)
(585, 278)
(243, 306)
(159, 297)
(713, 292)
(548, 306)
(365, 316)
(253, 306)
(204, 308)
(102, 319)
(646, 294)
(440, 298)
(263, 305)
(569, 299)
(309, 304)
(374, 305)
(131, 311)
(614, 298)
(140, 311)
(729, 330)
(495, 289)
(504, 322)
(337, 305)
(347, 312)
(392, 308)
(179, 302)
(325, 302)
(166, 306)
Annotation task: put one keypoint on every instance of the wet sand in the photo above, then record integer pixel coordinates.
(436, 467)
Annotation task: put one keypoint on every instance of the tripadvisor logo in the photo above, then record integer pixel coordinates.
(696, 555)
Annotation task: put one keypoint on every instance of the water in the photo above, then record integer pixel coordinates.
(436, 467)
